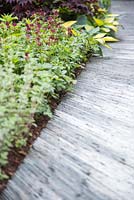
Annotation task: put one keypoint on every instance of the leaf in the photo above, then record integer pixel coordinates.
(22, 153)
(110, 39)
(94, 31)
(109, 20)
(8, 18)
(114, 28)
(99, 22)
(113, 15)
(106, 45)
(69, 24)
(103, 10)
(82, 20)
(88, 27)
(74, 32)
(100, 35)
(115, 23)
(105, 29)
(100, 40)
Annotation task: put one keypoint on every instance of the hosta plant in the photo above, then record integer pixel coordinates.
(102, 29)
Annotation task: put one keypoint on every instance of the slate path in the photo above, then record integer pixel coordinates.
(87, 150)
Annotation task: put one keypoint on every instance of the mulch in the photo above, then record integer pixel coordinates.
(16, 156)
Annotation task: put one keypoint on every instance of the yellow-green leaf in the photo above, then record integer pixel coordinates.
(74, 32)
(106, 45)
(99, 22)
(114, 28)
(110, 39)
(105, 29)
(69, 24)
(101, 41)
(109, 20)
(102, 10)
(89, 28)
(115, 23)
(113, 15)
(99, 35)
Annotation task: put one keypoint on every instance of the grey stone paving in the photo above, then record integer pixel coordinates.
(87, 150)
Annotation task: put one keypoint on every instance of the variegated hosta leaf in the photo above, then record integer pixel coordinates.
(99, 22)
(110, 39)
(100, 35)
(69, 24)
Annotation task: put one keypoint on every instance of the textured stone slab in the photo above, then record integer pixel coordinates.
(123, 6)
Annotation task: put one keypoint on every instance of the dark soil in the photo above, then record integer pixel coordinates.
(16, 156)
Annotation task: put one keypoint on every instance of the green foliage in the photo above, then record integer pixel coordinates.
(100, 30)
(37, 61)
(3, 176)
(105, 3)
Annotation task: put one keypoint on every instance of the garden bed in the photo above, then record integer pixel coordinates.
(39, 59)
(17, 155)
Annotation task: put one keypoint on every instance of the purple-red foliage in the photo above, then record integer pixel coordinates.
(23, 8)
